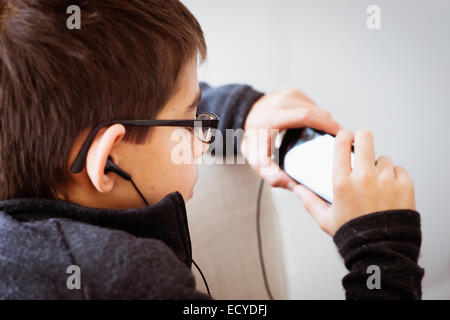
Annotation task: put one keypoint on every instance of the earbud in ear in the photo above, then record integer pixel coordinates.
(112, 167)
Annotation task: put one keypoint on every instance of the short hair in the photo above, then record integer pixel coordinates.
(55, 83)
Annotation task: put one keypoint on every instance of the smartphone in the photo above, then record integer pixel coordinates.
(306, 155)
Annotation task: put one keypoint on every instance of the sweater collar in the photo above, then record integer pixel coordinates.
(165, 220)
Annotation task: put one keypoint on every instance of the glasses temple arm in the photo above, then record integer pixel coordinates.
(78, 164)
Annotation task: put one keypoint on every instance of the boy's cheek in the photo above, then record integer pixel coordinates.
(183, 179)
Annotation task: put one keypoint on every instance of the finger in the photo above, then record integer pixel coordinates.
(298, 106)
(298, 118)
(406, 195)
(364, 151)
(261, 161)
(384, 164)
(292, 102)
(317, 207)
(402, 175)
(342, 155)
(281, 180)
(299, 95)
(273, 175)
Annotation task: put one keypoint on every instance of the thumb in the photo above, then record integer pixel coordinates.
(316, 207)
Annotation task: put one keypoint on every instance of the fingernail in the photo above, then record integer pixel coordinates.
(291, 186)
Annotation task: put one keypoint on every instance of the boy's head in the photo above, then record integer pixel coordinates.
(130, 60)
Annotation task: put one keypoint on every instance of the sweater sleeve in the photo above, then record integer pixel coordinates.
(387, 241)
(231, 103)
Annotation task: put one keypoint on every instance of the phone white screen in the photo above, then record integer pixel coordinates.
(311, 164)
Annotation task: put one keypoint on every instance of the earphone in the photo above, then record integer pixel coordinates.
(112, 167)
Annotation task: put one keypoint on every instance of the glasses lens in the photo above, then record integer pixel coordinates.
(204, 134)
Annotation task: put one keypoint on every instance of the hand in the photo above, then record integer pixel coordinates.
(279, 111)
(368, 188)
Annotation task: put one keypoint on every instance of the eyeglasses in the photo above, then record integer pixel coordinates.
(203, 127)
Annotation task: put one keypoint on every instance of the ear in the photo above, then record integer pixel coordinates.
(98, 154)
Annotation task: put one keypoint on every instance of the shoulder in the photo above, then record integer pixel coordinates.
(117, 265)
(37, 256)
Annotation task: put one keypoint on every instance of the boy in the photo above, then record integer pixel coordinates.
(77, 169)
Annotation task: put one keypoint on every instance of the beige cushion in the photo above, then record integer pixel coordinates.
(222, 222)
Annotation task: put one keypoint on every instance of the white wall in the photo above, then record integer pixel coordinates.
(394, 81)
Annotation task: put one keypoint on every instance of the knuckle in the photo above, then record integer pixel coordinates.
(341, 186)
(343, 136)
(292, 92)
(306, 114)
(404, 180)
(406, 183)
(385, 178)
(364, 177)
(384, 159)
(400, 171)
(327, 113)
(364, 134)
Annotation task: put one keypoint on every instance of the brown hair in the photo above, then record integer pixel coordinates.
(123, 63)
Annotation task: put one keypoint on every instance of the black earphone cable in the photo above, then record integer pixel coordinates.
(139, 192)
(195, 264)
(258, 233)
(203, 277)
